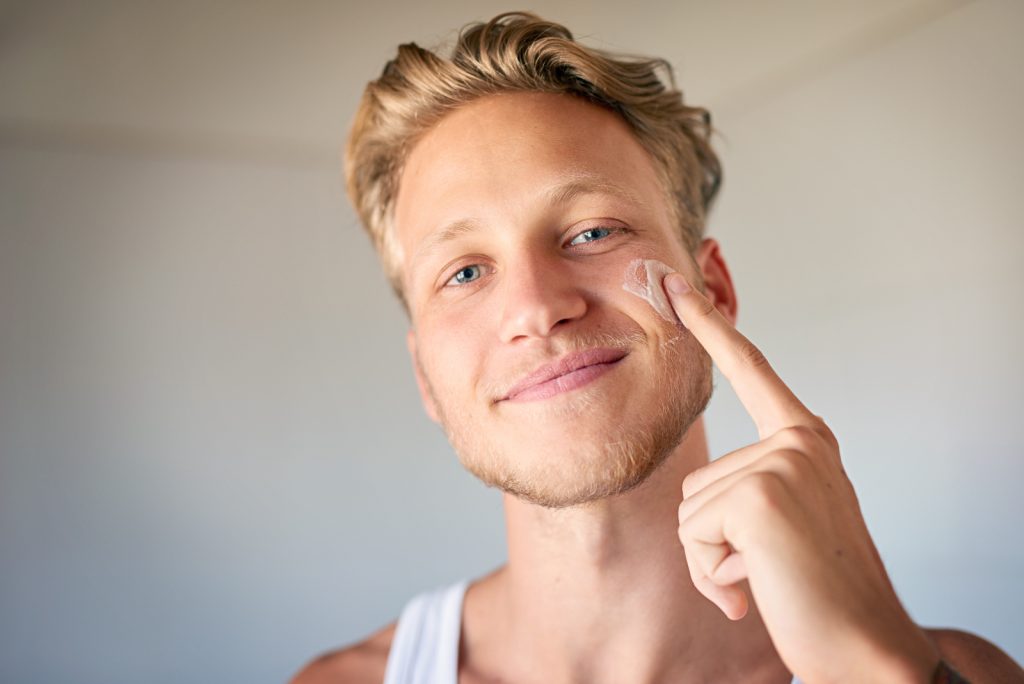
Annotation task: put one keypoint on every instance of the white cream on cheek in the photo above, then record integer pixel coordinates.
(643, 278)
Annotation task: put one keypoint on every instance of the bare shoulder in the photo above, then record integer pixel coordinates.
(977, 659)
(361, 663)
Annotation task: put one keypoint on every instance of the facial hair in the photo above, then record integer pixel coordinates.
(600, 466)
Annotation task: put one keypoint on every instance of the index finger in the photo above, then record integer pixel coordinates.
(766, 397)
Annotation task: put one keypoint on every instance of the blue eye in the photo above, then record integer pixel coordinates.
(461, 276)
(599, 232)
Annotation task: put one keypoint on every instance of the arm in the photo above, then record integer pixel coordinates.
(978, 660)
(782, 514)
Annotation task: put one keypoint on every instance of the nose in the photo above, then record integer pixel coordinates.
(539, 293)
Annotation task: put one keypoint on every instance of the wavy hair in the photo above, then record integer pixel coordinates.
(519, 51)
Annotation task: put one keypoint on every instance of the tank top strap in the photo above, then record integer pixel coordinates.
(425, 648)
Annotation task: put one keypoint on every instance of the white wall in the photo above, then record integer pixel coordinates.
(213, 463)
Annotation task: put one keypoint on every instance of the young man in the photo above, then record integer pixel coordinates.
(539, 208)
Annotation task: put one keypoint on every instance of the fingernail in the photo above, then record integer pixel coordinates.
(677, 284)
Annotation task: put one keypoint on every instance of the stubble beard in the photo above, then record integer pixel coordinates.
(596, 467)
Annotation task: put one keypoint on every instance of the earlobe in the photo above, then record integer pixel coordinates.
(421, 381)
(718, 285)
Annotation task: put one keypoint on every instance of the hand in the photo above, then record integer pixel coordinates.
(782, 514)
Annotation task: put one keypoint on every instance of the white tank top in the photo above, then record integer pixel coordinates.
(425, 648)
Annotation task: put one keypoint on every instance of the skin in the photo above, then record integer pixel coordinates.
(626, 565)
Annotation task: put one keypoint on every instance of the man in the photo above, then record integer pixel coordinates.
(539, 208)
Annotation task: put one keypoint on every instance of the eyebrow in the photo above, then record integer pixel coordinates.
(562, 193)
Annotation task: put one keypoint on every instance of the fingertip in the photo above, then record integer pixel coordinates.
(731, 600)
(676, 284)
(743, 608)
(738, 606)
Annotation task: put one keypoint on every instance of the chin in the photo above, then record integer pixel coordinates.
(561, 472)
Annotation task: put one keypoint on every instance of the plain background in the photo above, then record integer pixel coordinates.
(213, 461)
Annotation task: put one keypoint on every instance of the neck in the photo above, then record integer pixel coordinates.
(601, 593)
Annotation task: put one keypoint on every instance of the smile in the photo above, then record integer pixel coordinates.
(566, 382)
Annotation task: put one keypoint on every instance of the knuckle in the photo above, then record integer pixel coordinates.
(825, 432)
(751, 355)
(685, 531)
(682, 513)
(689, 526)
(705, 308)
(787, 463)
(763, 492)
(691, 484)
(799, 437)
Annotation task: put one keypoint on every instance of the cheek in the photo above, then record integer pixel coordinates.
(448, 358)
(642, 278)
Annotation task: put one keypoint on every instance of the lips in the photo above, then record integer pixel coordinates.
(565, 365)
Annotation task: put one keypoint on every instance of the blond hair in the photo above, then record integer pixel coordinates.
(519, 51)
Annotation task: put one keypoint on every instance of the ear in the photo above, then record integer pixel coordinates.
(718, 285)
(421, 381)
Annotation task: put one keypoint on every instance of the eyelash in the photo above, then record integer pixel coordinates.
(611, 231)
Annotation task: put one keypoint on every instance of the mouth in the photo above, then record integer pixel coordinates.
(568, 373)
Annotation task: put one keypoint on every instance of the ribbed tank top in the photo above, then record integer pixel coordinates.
(425, 648)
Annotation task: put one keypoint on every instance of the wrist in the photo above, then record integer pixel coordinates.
(910, 658)
(900, 655)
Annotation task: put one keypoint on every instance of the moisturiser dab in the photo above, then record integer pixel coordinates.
(643, 278)
(665, 345)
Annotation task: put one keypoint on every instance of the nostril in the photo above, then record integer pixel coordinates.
(538, 310)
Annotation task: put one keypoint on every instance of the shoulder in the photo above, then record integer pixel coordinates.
(363, 662)
(975, 658)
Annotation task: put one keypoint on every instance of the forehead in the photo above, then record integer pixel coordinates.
(498, 158)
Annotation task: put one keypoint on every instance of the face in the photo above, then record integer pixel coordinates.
(518, 216)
